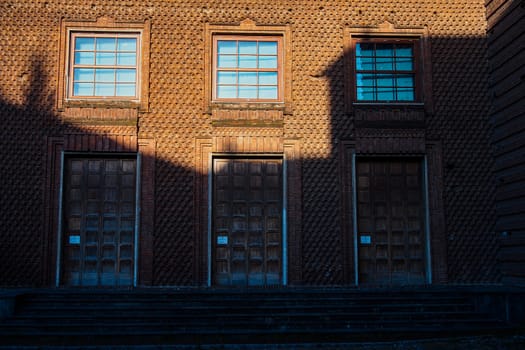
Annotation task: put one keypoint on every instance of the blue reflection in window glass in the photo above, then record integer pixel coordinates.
(385, 94)
(248, 78)
(227, 77)
(106, 44)
(105, 75)
(384, 50)
(362, 49)
(226, 91)
(83, 74)
(126, 59)
(85, 44)
(103, 89)
(385, 80)
(267, 61)
(267, 48)
(84, 57)
(404, 63)
(83, 89)
(127, 44)
(227, 47)
(365, 79)
(405, 94)
(125, 90)
(268, 92)
(247, 61)
(405, 80)
(126, 75)
(365, 93)
(385, 63)
(227, 61)
(365, 63)
(106, 58)
(247, 47)
(404, 51)
(268, 78)
(246, 91)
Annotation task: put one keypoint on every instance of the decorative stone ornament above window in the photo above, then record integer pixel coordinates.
(247, 66)
(104, 64)
(387, 65)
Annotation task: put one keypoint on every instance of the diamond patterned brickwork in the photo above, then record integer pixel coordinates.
(30, 35)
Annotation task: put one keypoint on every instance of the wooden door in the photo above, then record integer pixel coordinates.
(391, 229)
(247, 215)
(99, 221)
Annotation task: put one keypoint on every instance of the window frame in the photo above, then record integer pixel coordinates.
(247, 37)
(249, 28)
(414, 71)
(388, 32)
(102, 26)
(72, 65)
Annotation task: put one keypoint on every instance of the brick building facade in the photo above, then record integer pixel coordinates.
(262, 143)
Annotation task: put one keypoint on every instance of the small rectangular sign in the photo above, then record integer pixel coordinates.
(74, 239)
(222, 239)
(365, 239)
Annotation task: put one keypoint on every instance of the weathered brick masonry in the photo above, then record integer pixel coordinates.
(318, 130)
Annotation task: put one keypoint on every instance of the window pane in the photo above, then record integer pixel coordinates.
(102, 89)
(227, 47)
(84, 58)
(267, 48)
(85, 44)
(248, 78)
(248, 47)
(365, 63)
(268, 92)
(126, 75)
(267, 61)
(405, 81)
(364, 49)
(404, 63)
(127, 44)
(385, 63)
(384, 50)
(106, 58)
(106, 44)
(83, 74)
(227, 61)
(247, 91)
(268, 78)
(365, 94)
(125, 90)
(405, 94)
(105, 75)
(127, 59)
(226, 91)
(404, 51)
(247, 61)
(365, 79)
(227, 77)
(385, 80)
(385, 94)
(83, 89)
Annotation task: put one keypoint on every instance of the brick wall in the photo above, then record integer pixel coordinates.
(175, 118)
(506, 27)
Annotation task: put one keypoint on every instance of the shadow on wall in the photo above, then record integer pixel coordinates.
(33, 133)
(31, 139)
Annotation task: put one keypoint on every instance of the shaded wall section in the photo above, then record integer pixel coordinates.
(506, 48)
(175, 118)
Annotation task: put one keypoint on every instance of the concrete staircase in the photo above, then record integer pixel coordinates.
(207, 316)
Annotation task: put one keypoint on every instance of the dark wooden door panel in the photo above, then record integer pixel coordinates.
(247, 214)
(99, 221)
(390, 207)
